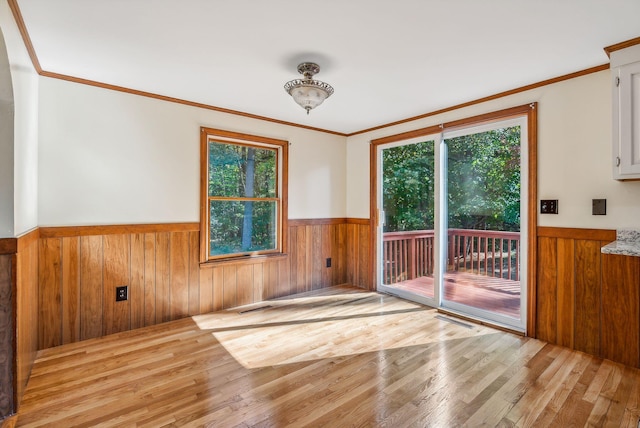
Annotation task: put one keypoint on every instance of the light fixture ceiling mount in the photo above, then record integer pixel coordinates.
(307, 92)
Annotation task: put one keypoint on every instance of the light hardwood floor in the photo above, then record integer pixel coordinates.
(335, 357)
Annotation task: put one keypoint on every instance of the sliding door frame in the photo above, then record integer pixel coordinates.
(527, 110)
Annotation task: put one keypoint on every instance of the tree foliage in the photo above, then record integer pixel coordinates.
(238, 175)
(483, 183)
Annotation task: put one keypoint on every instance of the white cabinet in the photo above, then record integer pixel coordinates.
(625, 70)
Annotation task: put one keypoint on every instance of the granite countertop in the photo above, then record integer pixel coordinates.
(627, 243)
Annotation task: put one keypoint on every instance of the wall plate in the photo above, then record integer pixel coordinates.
(548, 206)
(599, 207)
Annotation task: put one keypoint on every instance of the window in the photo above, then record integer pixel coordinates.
(243, 200)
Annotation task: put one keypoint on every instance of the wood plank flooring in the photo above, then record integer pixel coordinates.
(331, 358)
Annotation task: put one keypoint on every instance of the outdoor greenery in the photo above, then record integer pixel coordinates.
(240, 179)
(483, 181)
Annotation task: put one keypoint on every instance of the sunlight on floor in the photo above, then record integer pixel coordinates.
(258, 335)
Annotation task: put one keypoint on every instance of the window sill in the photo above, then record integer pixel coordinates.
(243, 260)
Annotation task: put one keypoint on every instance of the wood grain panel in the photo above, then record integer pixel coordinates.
(327, 234)
(6, 335)
(194, 273)
(566, 292)
(258, 282)
(179, 275)
(50, 300)
(218, 288)
(270, 289)
(165, 278)
(26, 313)
(340, 250)
(244, 285)
(163, 291)
(91, 270)
(364, 265)
(136, 282)
(317, 258)
(587, 298)
(301, 268)
(150, 279)
(116, 229)
(285, 284)
(352, 258)
(206, 291)
(620, 338)
(229, 287)
(70, 289)
(547, 289)
(117, 315)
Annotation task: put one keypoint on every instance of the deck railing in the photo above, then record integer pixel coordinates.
(409, 255)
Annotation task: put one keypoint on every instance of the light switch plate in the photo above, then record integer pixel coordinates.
(548, 206)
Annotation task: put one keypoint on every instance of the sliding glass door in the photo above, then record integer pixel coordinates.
(485, 218)
(452, 220)
(408, 212)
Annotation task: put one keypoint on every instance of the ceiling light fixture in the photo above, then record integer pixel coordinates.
(308, 93)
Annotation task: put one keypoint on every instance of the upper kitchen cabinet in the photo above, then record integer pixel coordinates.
(625, 72)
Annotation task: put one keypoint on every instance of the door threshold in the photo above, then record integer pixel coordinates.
(484, 322)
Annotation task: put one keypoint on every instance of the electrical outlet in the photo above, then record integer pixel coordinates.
(122, 293)
(329, 262)
(599, 207)
(548, 206)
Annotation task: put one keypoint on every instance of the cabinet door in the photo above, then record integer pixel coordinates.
(620, 328)
(626, 121)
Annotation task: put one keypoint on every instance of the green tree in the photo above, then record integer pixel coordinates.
(241, 172)
(483, 181)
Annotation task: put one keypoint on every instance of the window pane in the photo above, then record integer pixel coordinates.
(408, 187)
(242, 226)
(241, 171)
(484, 180)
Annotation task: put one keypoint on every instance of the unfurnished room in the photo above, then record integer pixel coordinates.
(334, 214)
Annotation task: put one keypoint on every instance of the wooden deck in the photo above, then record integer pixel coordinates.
(336, 357)
(493, 294)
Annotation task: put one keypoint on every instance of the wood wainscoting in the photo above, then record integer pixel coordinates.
(18, 316)
(80, 267)
(586, 300)
(6, 336)
(27, 308)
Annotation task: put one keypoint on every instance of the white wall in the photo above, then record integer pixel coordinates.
(25, 127)
(108, 157)
(6, 144)
(574, 154)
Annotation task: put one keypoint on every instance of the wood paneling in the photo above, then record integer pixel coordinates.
(91, 268)
(587, 276)
(79, 274)
(547, 316)
(6, 336)
(71, 289)
(26, 309)
(620, 340)
(116, 229)
(117, 315)
(587, 300)
(137, 281)
(565, 292)
(50, 293)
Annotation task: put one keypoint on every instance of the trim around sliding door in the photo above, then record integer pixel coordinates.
(530, 112)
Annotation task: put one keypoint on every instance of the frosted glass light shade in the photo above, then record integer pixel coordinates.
(308, 93)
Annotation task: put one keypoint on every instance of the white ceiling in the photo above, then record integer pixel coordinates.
(387, 60)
